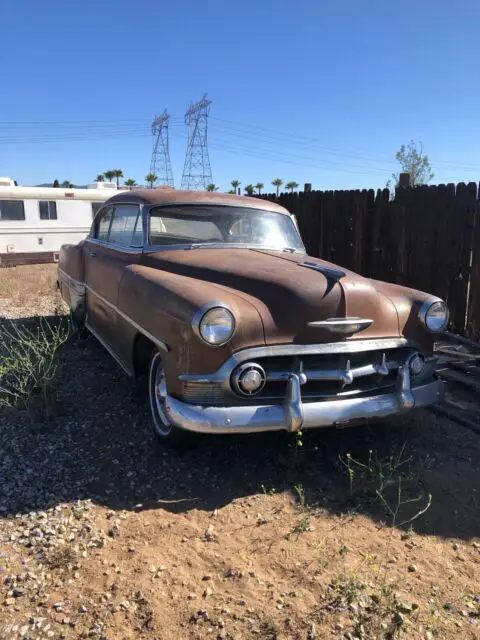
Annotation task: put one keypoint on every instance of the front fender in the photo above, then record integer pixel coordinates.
(163, 304)
(407, 303)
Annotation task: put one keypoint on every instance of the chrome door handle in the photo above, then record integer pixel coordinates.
(92, 254)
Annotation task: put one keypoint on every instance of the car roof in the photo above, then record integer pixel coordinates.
(168, 196)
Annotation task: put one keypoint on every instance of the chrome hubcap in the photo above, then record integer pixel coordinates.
(158, 393)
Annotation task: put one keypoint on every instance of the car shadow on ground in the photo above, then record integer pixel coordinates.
(99, 445)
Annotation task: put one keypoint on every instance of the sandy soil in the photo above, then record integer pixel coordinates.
(105, 534)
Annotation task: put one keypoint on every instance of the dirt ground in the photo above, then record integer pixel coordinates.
(105, 534)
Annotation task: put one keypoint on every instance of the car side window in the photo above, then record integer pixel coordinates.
(126, 229)
(102, 226)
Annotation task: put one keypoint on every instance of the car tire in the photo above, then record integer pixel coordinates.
(165, 432)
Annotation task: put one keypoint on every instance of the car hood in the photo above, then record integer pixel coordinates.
(289, 290)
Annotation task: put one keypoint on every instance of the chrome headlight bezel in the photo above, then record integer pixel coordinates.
(200, 319)
(432, 306)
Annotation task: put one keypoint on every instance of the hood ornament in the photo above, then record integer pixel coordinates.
(342, 325)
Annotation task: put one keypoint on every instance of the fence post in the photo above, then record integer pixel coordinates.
(404, 180)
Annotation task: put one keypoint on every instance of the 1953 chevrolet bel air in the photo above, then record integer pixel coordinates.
(238, 329)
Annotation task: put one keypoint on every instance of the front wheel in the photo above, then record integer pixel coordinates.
(164, 430)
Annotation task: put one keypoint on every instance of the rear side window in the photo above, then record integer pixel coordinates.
(48, 210)
(126, 229)
(95, 207)
(12, 210)
(103, 225)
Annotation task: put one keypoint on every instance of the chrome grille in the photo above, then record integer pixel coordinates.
(207, 393)
(329, 376)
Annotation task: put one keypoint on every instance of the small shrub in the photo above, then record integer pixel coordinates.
(29, 363)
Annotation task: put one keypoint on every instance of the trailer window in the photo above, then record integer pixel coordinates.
(12, 210)
(48, 210)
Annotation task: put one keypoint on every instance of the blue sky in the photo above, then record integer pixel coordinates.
(314, 90)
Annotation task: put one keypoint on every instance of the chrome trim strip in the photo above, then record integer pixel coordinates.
(76, 285)
(222, 375)
(293, 414)
(115, 247)
(108, 348)
(199, 203)
(147, 334)
(331, 323)
(347, 375)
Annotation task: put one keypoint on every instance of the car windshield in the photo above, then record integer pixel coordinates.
(207, 225)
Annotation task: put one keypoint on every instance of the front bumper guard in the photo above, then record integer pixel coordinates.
(293, 414)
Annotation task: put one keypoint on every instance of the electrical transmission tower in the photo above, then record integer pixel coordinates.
(197, 173)
(160, 165)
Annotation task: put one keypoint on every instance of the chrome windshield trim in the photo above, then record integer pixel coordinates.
(200, 203)
(218, 245)
(222, 375)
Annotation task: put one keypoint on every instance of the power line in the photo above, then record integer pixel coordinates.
(229, 136)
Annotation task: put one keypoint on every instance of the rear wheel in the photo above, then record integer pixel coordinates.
(77, 325)
(164, 430)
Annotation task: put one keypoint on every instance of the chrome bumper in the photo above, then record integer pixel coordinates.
(293, 414)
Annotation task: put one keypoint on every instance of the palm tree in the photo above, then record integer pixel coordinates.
(100, 178)
(66, 184)
(212, 187)
(110, 174)
(292, 185)
(259, 186)
(118, 173)
(235, 184)
(277, 183)
(130, 183)
(151, 178)
(249, 189)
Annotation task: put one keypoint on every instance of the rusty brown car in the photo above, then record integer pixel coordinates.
(237, 330)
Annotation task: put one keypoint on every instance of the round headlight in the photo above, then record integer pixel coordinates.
(435, 316)
(217, 326)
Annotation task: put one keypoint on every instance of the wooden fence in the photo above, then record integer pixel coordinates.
(427, 238)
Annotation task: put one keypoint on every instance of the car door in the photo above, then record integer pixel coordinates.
(116, 242)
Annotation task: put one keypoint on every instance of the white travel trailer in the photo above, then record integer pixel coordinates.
(36, 221)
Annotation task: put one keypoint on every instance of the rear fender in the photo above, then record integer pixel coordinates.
(71, 278)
